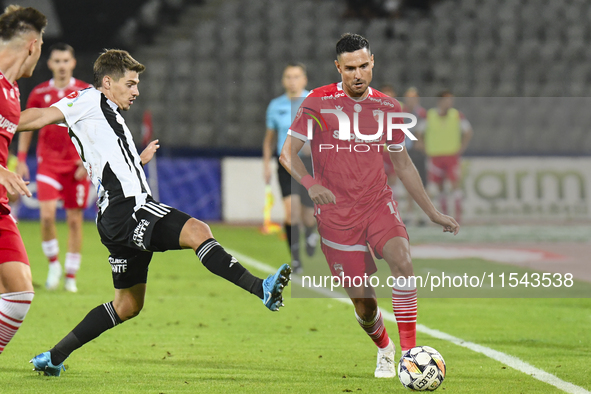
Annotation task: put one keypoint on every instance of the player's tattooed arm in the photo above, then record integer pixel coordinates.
(149, 152)
(36, 118)
(293, 164)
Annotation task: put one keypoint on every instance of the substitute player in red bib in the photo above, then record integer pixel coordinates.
(60, 172)
(21, 31)
(354, 205)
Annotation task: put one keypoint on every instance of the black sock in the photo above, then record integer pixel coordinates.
(97, 321)
(295, 243)
(219, 262)
(287, 228)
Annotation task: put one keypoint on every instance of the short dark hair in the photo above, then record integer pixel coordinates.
(61, 46)
(296, 64)
(114, 63)
(16, 20)
(351, 42)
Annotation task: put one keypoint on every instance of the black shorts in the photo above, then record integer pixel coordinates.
(420, 161)
(155, 227)
(290, 186)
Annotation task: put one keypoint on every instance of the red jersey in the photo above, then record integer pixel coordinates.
(54, 145)
(351, 168)
(10, 114)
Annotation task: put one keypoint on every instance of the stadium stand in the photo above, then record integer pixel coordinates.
(225, 68)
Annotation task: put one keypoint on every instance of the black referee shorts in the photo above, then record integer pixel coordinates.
(290, 186)
(155, 227)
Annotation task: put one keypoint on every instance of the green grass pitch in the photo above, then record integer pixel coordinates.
(199, 334)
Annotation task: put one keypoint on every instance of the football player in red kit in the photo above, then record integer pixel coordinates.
(60, 173)
(21, 31)
(355, 208)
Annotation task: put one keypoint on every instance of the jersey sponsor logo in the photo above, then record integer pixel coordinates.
(7, 124)
(300, 112)
(333, 96)
(388, 103)
(118, 266)
(139, 232)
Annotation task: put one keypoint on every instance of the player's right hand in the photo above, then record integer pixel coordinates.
(22, 169)
(448, 223)
(321, 195)
(13, 183)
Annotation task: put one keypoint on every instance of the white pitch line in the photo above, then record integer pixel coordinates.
(501, 357)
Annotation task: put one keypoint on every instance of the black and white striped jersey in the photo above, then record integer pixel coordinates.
(105, 145)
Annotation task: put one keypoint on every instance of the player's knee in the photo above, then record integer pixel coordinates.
(366, 308)
(129, 311)
(194, 233)
(47, 220)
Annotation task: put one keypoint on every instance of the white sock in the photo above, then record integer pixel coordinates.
(13, 309)
(51, 250)
(72, 264)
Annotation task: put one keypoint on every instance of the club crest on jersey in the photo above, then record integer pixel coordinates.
(119, 119)
(73, 95)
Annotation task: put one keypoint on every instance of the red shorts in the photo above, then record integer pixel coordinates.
(11, 243)
(58, 182)
(444, 167)
(347, 252)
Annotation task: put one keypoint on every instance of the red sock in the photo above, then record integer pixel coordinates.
(404, 304)
(375, 329)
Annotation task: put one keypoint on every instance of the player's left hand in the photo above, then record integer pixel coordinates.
(448, 223)
(149, 152)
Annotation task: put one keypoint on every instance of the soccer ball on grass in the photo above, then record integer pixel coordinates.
(421, 369)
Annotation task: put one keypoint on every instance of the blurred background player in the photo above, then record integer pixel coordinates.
(21, 31)
(445, 135)
(296, 202)
(60, 173)
(416, 151)
(356, 208)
